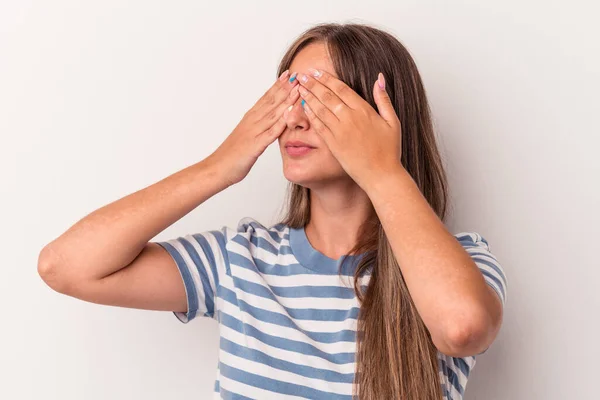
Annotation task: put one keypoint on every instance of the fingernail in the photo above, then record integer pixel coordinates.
(381, 81)
(303, 101)
(290, 107)
(303, 78)
(293, 77)
(307, 109)
(316, 73)
(284, 75)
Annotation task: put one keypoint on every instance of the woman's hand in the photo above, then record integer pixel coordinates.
(367, 144)
(259, 127)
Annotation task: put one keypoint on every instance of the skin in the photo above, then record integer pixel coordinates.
(355, 163)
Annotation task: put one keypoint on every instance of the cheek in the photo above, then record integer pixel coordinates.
(327, 157)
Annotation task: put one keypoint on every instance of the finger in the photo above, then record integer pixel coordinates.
(325, 95)
(318, 125)
(273, 116)
(272, 133)
(324, 114)
(343, 91)
(383, 101)
(276, 93)
(291, 100)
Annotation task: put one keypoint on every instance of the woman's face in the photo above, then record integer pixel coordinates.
(317, 165)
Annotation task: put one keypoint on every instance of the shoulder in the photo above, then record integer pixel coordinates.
(249, 224)
(472, 239)
(480, 251)
(478, 247)
(251, 231)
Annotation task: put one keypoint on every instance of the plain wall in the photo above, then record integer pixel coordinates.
(100, 99)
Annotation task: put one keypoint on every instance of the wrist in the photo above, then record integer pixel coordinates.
(219, 170)
(392, 177)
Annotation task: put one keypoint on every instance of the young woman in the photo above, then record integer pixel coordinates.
(360, 289)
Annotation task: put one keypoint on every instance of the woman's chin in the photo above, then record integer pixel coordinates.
(298, 179)
(308, 178)
(299, 176)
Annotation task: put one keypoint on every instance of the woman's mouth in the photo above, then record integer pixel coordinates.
(298, 150)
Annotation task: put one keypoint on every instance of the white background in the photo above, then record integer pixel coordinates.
(100, 99)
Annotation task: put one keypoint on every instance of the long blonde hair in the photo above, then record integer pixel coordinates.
(395, 356)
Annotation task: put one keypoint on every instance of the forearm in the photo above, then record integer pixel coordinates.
(445, 284)
(109, 238)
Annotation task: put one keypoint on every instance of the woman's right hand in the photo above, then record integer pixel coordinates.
(259, 127)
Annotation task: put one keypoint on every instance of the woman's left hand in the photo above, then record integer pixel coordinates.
(367, 144)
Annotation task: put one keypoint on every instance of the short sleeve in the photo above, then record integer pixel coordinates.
(493, 273)
(479, 250)
(201, 259)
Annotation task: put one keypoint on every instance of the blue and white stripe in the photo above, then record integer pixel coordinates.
(287, 319)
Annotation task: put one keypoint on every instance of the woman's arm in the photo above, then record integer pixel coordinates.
(106, 257)
(110, 238)
(462, 312)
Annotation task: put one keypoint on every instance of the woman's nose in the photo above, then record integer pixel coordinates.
(295, 117)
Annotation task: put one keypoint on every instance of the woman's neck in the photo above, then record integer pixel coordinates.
(336, 215)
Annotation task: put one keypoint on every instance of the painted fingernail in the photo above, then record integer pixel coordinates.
(284, 75)
(381, 81)
(293, 77)
(304, 78)
(290, 107)
(307, 109)
(303, 101)
(315, 72)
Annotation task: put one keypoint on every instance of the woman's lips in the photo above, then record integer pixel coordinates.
(298, 150)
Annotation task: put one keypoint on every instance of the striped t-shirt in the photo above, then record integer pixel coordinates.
(287, 319)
